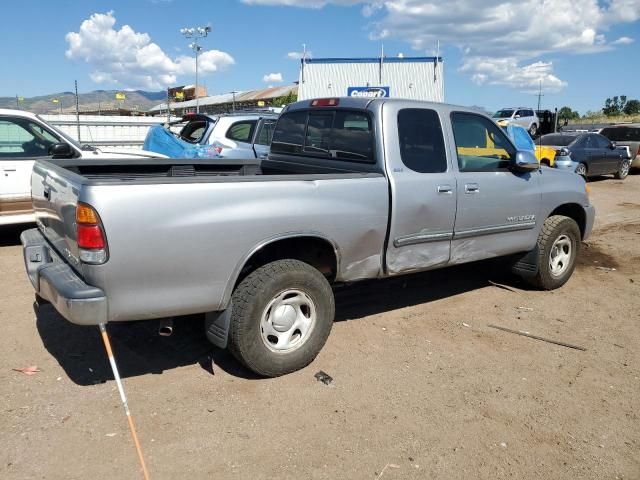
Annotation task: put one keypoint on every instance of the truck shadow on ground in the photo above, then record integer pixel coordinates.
(10, 234)
(139, 350)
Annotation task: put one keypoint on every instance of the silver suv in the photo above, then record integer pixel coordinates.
(234, 135)
(523, 116)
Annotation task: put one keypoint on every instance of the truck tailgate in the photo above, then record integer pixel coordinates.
(55, 193)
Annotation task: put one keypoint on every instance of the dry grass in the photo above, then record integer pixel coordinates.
(605, 119)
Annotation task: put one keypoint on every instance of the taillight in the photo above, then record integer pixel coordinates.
(325, 102)
(90, 235)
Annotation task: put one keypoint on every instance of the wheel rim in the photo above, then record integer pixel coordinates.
(560, 256)
(624, 169)
(287, 321)
(581, 170)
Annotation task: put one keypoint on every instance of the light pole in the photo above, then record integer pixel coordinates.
(233, 105)
(196, 33)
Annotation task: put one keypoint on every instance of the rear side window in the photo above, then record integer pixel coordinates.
(622, 134)
(337, 134)
(421, 141)
(241, 131)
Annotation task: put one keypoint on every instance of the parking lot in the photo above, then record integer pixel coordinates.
(422, 387)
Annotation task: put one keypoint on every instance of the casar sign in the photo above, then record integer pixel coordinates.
(368, 92)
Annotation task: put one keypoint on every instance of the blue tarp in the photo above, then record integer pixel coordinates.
(520, 137)
(161, 140)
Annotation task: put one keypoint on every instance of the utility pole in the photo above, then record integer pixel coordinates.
(77, 111)
(196, 33)
(540, 95)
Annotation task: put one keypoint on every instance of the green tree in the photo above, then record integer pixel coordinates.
(565, 113)
(286, 100)
(632, 107)
(614, 106)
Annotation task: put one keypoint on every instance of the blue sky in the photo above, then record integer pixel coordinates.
(495, 52)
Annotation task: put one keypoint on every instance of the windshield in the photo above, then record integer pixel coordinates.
(66, 137)
(557, 140)
(622, 134)
(503, 114)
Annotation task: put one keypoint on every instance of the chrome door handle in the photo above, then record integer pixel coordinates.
(445, 189)
(9, 169)
(471, 188)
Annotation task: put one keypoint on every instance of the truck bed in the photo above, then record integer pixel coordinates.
(98, 172)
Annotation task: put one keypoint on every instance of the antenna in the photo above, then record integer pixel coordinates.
(435, 62)
(381, 62)
(540, 94)
(304, 57)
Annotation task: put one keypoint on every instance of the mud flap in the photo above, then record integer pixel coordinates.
(216, 325)
(526, 265)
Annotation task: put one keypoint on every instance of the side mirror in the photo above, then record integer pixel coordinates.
(613, 145)
(525, 161)
(61, 150)
(516, 116)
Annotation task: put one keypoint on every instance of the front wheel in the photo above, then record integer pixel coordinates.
(557, 250)
(581, 170)
(623, 171)
(281, 317)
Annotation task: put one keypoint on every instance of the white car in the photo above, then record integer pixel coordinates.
(523, 116)
(24, 137)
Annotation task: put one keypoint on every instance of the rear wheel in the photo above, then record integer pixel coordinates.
(623, 171)
(282, 314)
(581, 170)
(533, 130)
(558, 247)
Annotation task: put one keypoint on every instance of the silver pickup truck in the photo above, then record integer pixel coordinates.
(353, 189)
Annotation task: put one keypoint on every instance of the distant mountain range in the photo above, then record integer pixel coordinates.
(94, 101)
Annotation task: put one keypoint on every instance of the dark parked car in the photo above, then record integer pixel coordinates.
(589, 154)
(626, 135)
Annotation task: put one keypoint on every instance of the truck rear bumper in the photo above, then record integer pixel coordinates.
(55, 281)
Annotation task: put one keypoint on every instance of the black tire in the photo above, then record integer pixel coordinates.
(623, 171)
(554, 228)
(250, 301)
(581, 170)
(533, 130)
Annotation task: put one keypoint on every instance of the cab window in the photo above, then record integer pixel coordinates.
(20, 137)
(421, 141)
(480, 144)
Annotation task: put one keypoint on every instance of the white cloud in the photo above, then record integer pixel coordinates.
(298, 55)
(301, 3)
(511, 30)
(272, 77)
(130, 59)
(509, 72)
(623, 41)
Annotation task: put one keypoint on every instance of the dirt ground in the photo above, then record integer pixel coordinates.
(422, 387)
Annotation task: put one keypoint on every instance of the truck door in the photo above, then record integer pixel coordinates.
(423, 190)
(262, 137)
(497, 208)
